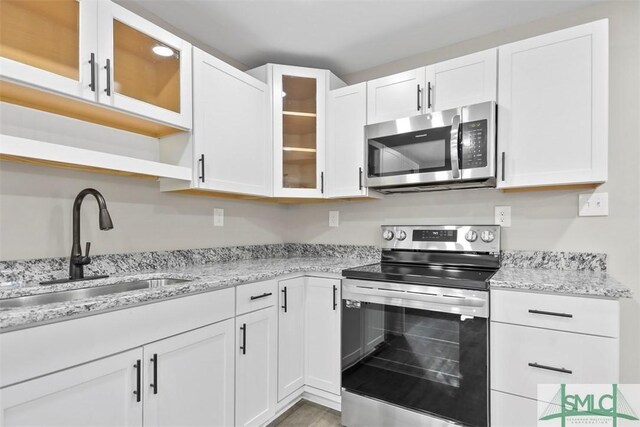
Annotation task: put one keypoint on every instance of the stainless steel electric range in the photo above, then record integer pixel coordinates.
(415, 328)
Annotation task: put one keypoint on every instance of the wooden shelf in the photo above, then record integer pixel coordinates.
(70, 107)
(47, 154)
(299, 114)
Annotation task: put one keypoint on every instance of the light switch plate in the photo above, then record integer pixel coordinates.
(218, 217)
(594, 204)
(334, 218)
(503, 216)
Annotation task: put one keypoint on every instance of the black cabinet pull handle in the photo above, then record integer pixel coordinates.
(243, 347)
(551, 313)
(138, 379)
(418, 93)
(108, 68)
(261, 296)
(429, 95)
(360, 178)
(154, 385)
(551, 368)
(201, 164)
(322, 182)
(92, 62)
(335, 303)
(503, 164)
(284, 292)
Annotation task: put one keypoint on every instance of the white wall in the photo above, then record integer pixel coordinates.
(35, 215)
(541, 220)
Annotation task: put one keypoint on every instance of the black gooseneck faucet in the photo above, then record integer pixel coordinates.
(78, 261)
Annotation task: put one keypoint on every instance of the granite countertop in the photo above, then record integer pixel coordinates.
(202, 278)
(569, 282)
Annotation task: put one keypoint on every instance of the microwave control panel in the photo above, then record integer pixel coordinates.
(474, 144)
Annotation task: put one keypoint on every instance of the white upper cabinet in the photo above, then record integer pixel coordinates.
(553, 108)
(51, 45)
(397, 96)
(232, 129)
(467, 80)
(189, 378)
(143, 69)
(347, 116)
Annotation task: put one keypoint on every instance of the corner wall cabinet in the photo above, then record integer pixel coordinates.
(54, 59)
(553, 108)
(461, 81)
(231, 141)
(299, 97)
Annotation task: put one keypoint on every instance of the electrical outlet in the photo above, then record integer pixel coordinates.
(596, 204)
(503, 216)
(218, 217)
(334, 217)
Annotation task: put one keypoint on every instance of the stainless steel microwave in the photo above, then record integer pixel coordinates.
(436, 151)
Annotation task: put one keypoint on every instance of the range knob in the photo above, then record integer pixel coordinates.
(471, 236)
(401, 235)
(487, 236)
(387, 235)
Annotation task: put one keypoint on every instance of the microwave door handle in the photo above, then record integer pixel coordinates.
(455, 129)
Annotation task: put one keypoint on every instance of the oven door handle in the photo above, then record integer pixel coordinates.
(455, 145)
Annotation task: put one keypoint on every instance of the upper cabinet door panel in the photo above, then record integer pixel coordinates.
(553, 108)
(397, 96)
(49, 44)
(347, 115)
(467, 80)
(232, 128)
(144, 69)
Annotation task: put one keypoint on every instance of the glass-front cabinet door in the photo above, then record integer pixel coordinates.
(299, 131)
(50, 44)
(144, 69)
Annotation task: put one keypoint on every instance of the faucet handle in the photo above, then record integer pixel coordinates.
(88, 247)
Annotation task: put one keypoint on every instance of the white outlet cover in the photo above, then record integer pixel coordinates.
(503, 216)
(218, 217)
(334, 218)
(595, 204)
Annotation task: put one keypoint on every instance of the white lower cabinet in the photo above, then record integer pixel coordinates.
(99, 393)
(256, 365)
(291, 336)
(189, 378)
(322, 334)
(508, 410)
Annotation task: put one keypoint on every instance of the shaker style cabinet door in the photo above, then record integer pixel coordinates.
(553, 108)
(347, 116)
(467, 80)
(291, 336)
(256, 365)
(232, 129)
(51, 45)
(299, 120)
(189, 378)
(398, 96)
(143, 69)
(322, 334)
(99, 393)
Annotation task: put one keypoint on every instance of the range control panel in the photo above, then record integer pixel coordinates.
(455, 238)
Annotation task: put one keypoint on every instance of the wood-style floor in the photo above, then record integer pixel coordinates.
(308, 414)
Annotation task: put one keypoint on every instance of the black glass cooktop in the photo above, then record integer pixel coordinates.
(467, 278)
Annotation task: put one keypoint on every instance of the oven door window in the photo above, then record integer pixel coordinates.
(408, 153)
(422, 360)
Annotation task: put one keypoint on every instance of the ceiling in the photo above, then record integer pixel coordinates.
(344, 36)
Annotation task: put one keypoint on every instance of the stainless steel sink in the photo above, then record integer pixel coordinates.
(74, 294)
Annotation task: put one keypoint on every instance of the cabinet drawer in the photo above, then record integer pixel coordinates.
(508, 410)
(577, 359)
(255, 296)
(565, 313)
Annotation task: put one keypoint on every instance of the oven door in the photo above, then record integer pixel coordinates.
(417, 347)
